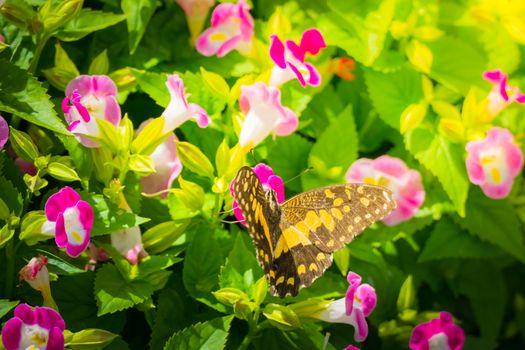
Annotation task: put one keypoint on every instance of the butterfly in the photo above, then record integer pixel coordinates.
(294, 241)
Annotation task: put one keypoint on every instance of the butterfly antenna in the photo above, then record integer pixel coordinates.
(225, 211)
(231, 222)
(298, 175)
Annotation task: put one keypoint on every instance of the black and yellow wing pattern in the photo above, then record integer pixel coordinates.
(294, 241)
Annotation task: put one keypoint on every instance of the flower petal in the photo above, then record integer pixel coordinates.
(60, 201)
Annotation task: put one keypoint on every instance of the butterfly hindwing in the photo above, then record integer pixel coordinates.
(330, 217)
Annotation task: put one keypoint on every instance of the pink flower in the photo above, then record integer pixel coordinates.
(494, 162)
(41, 328)
(4, 132)
(88, 98)
(35, 273)
(95, 255)
(392, 173)
(289, 58)
(502, 94)
(179, 110)
(231, 29)
(196, 12)
(359, 302)
(351, 347)
(437, 334)
(268, 181)
(264, 114)
(71, 219)
(26, 167)
(167, 166)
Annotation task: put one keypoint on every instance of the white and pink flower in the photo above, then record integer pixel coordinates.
(392, 173)
(231, 29)
(35, 273)
(41, 328)
(70, 219)
(179, 110)
(264, 114)
(196, 12)
(359, 302)
(290, 59)
(494, 162)
(268, 181)
(88, 98)
(502, 94)
(167, 166)
(438, 334)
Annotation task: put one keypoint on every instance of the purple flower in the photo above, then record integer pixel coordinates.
(437, 334)
(494, 162)
(268, 180)
(392, 173)
(502, 94)
(179, 110)
(231, 29)
(71, 219)
(264, 114)
(41, 328)
(4, 132)
(90, 97)
(289, 58)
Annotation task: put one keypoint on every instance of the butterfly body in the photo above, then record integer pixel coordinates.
(294, 241)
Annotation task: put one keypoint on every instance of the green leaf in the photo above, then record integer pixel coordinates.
(333, 152)
(288, 156)
(448, 241)
(169, 318)
(141, 165)
(23, 145)
(207, 335)
(86, 22)
(153, 84)
(193, 159)
(456, 64)
(10, 195)
(90, 339)
(110, 218)
(62, 172)
(6, 306)
(64, 70)
(162, 236)
(100, 64)
(24, 96)
(113, 293)
(392, 93)
(502, 51)
(241, 269)
(31, 227)
(361, 35)
(444, 160)
(138, 14)
(494, 221)
(201, 94)
(202, 263)
(216, 84)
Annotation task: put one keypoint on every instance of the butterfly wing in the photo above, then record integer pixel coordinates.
(250, 197)
(330, 217)
(318, 222)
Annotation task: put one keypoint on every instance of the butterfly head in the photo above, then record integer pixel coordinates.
(273, 203)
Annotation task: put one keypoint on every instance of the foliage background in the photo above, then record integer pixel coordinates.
(463, 252)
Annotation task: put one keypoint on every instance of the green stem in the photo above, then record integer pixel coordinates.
(41, 42)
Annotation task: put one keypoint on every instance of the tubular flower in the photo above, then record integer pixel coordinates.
(128, 241)
(71, 219)
(268, 180)
(196, 12)
(4, 132)
(392, 173)
(41, 328)
(88, 98)
(289, 59)
(179, 110)
(167, 166)
(502, 94)
(359, 302)
(231, 29)
(35, 273)
(264, 114)
(437, 334)
(494, 162)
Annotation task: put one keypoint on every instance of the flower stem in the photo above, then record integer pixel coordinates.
(41, 42)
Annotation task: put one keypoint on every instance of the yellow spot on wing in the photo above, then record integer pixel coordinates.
(338, 201)
(312, 220)
(272, 273)
(337, 213)
(348, 194)
(313, 267)
(330, 243)
(346, 208)
(290, 281)
(365, 201)
(327, 220)
(279, 280)
(301, 269)
(360, 190)
(328, 192)
(320, 257)
(291, 237)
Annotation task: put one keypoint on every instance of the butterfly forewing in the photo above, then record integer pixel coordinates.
(294, 242)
